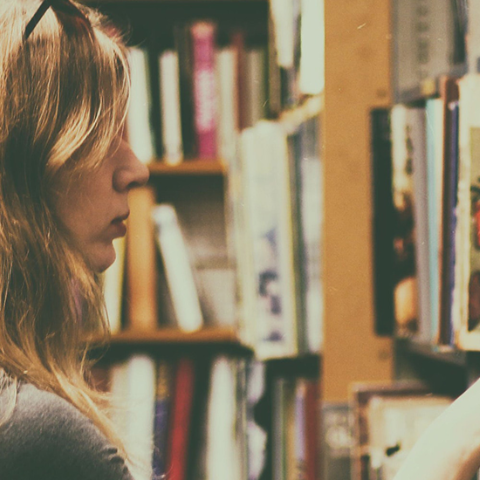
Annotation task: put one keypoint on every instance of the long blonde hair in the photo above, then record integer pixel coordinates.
(63, 98)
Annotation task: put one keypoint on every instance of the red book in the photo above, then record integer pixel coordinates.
(312, 424)
(181, 419)
(204, 88)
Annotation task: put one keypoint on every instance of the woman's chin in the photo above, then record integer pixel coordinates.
(102, 259)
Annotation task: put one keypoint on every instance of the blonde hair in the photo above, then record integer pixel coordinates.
(63, 98)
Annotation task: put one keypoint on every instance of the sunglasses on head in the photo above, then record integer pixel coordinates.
(67, 13)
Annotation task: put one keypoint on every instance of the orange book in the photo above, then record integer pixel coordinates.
(141, 262)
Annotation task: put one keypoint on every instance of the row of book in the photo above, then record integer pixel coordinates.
(192, 100)
(198, 417)
(427, 249)
(369, 437)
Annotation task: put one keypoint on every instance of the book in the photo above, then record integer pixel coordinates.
(138, 123)
(312, 429)
(360, 395)
(383, 221)
(222, 456)
(449, 90)
(183, 391)
(226, 62)
(435, 131)
(269, 282)
(279, 428)
(178, 269)
(256, 435)
(426, 46)
(141, 262)
(170, 101)
(405, 280)
(417, 152)
(300, 431)
(336, 441)
(395, 424)
(113, 287)
(312, 44)
(467, 327)
(183, 47)
(255, 85)
(141, 381)
(309, 170)
(163, 408)
(204, 88)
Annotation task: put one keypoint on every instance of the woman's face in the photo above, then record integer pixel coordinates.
(94, 208)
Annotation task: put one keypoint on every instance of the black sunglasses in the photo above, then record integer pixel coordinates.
(67, 13)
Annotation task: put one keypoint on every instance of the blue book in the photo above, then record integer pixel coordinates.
(162, 415)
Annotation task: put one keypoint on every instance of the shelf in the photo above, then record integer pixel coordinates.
(433, 352)
(211, 335)
(188, 167)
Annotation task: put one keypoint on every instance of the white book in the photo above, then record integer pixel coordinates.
(222, 456)
(312, 41)
(118, 398)
(112, 286)
(178, 270)
(226, 64)
(255, 66)
(282, 12)
(141, 378)
(269, 236)
(139, 129)
(170, 102)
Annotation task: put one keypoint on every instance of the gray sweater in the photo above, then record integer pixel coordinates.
(49, 439)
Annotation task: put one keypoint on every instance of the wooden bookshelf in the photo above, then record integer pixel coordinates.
(357, 79)
(189, 167)
(210, 335)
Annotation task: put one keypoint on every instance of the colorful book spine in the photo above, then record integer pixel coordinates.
(204, 88)
(162, 417)
(181, 419)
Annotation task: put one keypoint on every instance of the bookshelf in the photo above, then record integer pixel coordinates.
(440, 348)
(227, 380)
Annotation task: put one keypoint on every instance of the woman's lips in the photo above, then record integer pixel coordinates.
(119, 226)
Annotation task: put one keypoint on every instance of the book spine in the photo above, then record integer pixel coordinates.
(226, 61)
(312, 425)
(141, 262)
(204, 88)
(183, 47)
(181, 418)
(170, 95)
(162, 417)
(113, 286)
(178, 270)
(138, 122)
(141, 412)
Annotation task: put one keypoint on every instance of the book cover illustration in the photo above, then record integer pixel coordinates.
(405, 281)
(269, 234)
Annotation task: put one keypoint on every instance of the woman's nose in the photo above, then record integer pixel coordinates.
(133, 173)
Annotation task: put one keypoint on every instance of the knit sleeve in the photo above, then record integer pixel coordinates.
(48, 438)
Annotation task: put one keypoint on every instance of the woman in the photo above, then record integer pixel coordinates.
(65, 173)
